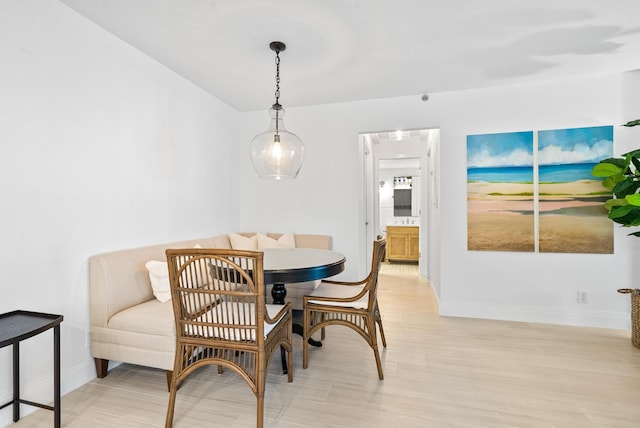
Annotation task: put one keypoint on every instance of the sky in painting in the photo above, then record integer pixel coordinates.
(577, 145)
(500, 150)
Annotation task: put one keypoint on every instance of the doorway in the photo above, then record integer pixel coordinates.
(390, 160)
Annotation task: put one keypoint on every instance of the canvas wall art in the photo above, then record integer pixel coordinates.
(500, 192)
(572, 218)
(533, 191)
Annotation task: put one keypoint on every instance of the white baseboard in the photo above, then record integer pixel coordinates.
(599, 319)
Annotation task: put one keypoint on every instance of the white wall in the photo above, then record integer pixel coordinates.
(527, 287)
(101, 149)
(104, 149)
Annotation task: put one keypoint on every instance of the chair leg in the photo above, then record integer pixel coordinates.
(283, 357)
(378, 319)
(384, 341)
(260, 384)
(322, 335)
(170, 408)
(290, 364)
(260, 411)
(373, 342)
(305, 338)
(378, 362)
(168, 374)
(379, 322)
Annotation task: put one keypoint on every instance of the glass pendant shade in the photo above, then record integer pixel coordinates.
(277, 153)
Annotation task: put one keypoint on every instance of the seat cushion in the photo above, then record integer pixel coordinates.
(151, 317)
(340, 291)
(221, 313)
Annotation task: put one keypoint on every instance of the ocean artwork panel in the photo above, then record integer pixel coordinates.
(572, 218)
(500, 192)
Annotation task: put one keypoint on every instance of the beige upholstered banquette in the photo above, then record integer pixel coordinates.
(129, 324)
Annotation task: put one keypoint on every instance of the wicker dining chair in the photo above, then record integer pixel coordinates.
(351, 304)
(222, 319)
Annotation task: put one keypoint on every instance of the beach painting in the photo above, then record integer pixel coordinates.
(500, 192)
(571, 216)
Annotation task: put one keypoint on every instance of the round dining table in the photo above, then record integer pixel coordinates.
(289, 265)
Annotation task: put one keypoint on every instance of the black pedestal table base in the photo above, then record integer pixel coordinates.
(291, 265)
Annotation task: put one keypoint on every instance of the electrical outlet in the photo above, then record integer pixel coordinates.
(583, 296)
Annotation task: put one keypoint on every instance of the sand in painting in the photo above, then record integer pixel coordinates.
(572, 219)
(499, 218)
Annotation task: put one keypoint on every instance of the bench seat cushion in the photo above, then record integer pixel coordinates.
(151, 317)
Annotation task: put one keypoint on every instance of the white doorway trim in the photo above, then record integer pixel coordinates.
(387, 145)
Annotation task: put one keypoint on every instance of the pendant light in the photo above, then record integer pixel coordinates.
(277, 153)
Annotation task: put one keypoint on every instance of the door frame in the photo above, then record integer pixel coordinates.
(370, 202)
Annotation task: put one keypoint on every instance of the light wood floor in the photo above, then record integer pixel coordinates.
(439, 372)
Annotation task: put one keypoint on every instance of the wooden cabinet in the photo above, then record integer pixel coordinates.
(403, 243)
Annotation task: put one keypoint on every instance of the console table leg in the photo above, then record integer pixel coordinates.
(16, 381)
(56, 377)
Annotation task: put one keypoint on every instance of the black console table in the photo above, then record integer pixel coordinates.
(17, 326)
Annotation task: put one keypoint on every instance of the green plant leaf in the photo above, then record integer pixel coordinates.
(623, 187)
(627, 216)
(621, 162)
(620, 211)
(630, 220)
(632, 154)
(611, 181)
(606, 169)
(634, 234)
(632, 123)
(615, 203)
(633, 199)
(635, 185)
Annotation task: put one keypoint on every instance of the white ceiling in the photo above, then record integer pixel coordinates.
(346, 50)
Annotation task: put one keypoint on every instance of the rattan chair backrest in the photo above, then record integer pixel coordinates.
(217, 294)
(379, 253)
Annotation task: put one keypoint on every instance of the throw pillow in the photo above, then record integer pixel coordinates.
(159, 276)
(239, 242)
(285, 241)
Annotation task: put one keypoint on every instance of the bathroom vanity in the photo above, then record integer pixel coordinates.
(403, 243)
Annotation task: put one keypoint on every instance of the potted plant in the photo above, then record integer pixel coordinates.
(622, 176)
